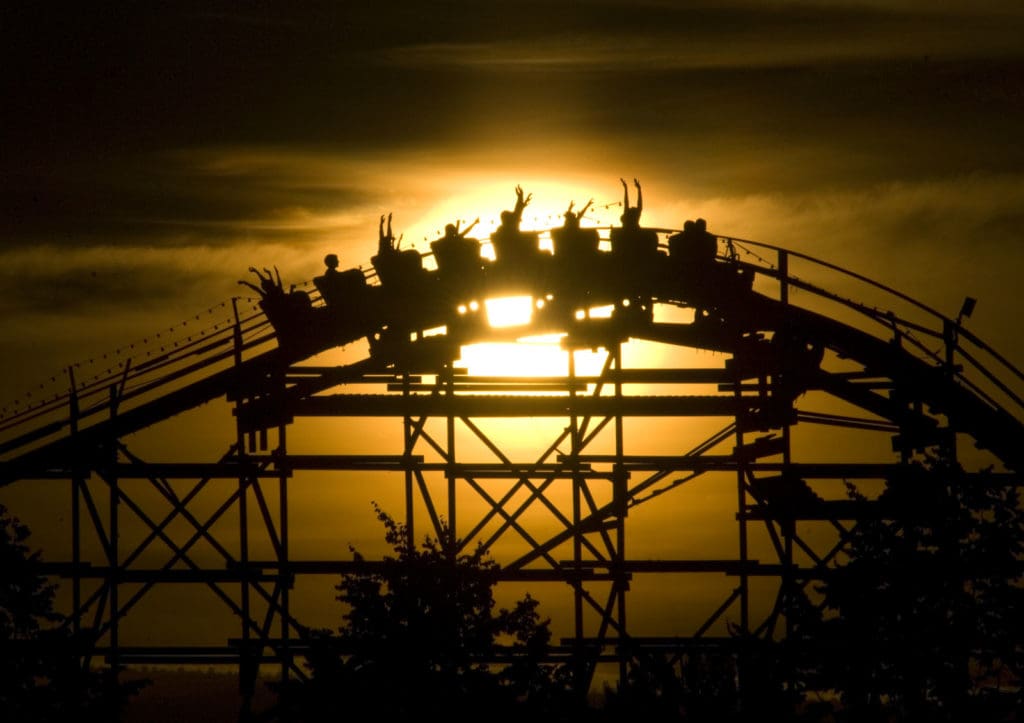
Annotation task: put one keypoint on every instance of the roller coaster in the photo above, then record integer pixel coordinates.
(808, 390)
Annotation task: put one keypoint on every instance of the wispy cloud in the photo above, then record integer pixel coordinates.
(144, 172)
(680, 38)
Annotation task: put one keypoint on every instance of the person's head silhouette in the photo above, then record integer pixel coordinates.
(572, 218)
(630, 217)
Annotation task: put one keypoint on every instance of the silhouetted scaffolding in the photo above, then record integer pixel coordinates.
(562, 516)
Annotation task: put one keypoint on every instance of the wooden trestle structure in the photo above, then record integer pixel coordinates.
(786, 349)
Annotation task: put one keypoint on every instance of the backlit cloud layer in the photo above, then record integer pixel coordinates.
(152, 154)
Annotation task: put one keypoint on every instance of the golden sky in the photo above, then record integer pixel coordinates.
(153, 152)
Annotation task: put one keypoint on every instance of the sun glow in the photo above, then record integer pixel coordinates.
(485, 196)
(509, 311)
(537, 356)
(482, 198)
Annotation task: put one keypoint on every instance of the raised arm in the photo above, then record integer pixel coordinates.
(255, 288)
(384, 240)
(639, 196)
(521, 202)
(468, 228)
(265, 281)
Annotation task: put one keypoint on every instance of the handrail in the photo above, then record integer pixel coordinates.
(214, 345)
(885, 318)
(198, 351)
(944, 322)
(845, 272)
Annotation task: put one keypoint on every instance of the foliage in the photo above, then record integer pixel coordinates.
(41, 678)
(924, 619)
(422, 637)
(700, 686)
(920, 622)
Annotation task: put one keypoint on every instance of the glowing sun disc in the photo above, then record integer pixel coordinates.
(509, 311)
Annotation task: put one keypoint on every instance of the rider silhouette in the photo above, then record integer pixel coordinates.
(631, 241)
(511, 244)
(392, 263)
(570, 240)
(455, 254)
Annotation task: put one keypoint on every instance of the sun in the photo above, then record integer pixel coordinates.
(485, 196)
(531, 356)
(523, 350)
(526, 356)
(509, 311)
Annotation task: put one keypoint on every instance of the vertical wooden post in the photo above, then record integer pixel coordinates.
(248, 665)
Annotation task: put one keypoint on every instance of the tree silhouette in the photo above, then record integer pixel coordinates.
(422, 637)
(923, 623)
(26, 610)
(41, 677)
(699, 687)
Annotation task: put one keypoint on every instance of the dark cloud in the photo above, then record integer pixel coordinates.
(226, 135)
(95, 81)
(160, 199)
(85, 293)
(726, 129)
(152, 152)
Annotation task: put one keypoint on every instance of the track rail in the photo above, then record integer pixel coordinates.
(886, 330)
(785, 325)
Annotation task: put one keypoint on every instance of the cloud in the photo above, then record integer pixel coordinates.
(167, 153)
(665, 36)
(935, 240)
(185, 198)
